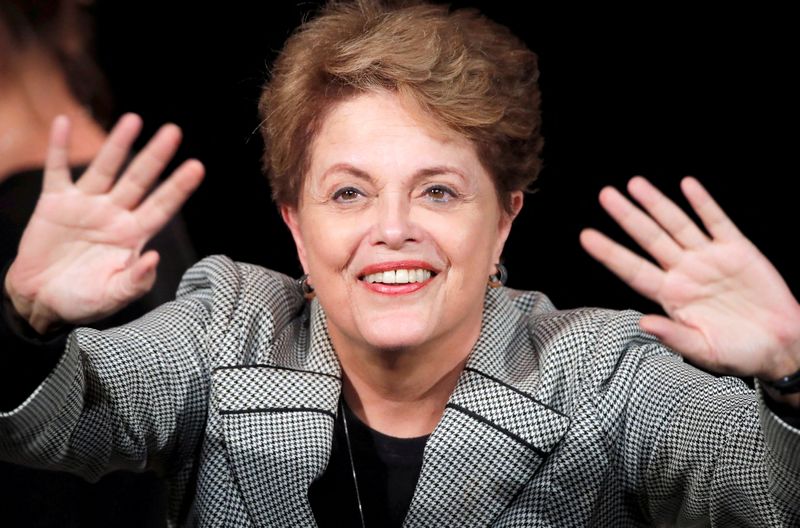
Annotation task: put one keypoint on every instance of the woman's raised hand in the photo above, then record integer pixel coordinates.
(80, 257)
(729, 309)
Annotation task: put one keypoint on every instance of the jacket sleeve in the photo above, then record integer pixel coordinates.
(132, 397)
(696, 447)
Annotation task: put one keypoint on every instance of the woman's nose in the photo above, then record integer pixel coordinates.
(393, 224)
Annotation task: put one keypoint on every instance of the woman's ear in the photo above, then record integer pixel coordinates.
(291, 218)
(516, 204)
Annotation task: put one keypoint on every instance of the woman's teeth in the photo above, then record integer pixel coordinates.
(401, 276)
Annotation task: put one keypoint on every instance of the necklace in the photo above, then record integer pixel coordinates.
(352, 463)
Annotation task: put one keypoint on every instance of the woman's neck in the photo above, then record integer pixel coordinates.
(403, 393)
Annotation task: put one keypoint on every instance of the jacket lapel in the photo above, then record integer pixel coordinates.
(278, 423)
(494, 434)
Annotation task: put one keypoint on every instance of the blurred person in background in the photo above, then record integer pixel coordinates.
(47, 69)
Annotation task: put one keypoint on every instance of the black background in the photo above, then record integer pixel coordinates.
(657, 91)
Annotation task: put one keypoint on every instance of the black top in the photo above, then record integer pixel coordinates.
(386, 468)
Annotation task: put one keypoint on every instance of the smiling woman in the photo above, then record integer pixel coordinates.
(406, 387)
(390, 192)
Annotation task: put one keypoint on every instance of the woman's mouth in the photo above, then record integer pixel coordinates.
(396, 278)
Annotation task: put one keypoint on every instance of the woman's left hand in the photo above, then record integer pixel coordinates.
(729, 309)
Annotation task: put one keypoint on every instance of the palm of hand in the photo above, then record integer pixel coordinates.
(728, 309)
(81, 243)
(80, 255)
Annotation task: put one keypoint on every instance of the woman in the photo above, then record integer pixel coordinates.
(399, 142)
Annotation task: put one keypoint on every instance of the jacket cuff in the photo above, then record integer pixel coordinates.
(27, 357)
(21, 429)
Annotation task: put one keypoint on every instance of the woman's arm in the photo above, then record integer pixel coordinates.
(717, 453)
(698, 447)
(690, 447)
(132, 397)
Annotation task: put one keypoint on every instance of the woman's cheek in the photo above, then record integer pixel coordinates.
(335, 239)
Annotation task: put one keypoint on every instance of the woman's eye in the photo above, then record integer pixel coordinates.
(347, 194)
(439, 193)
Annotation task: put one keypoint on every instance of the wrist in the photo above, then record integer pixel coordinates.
(19, 307)
(783, 383)
(783, 363)
(23, 310)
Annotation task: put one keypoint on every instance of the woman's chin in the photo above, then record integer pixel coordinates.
(397, 336)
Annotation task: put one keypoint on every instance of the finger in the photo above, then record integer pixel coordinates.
(100, 175)
(641, 227)
(640, 274)
(671, 217)
(165, 201)
(688, 342)
(56, 168)
(145, 168)
(712, 215)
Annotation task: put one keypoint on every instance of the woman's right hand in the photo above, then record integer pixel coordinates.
(80, 258)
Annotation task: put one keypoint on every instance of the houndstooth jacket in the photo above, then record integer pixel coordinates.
(560, 418)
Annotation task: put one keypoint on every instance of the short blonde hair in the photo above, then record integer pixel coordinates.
(469, 73)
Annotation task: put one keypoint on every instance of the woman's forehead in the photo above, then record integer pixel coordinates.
(380, 130)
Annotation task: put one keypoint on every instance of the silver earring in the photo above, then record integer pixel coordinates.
(308, 290)
(498, 279)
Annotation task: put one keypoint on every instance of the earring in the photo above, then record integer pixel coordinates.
(498, 279)
(308, 290)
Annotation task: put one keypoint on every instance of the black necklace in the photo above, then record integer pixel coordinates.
(352, 463)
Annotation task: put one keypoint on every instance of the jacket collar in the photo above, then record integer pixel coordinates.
(494, 433)
(278, 421)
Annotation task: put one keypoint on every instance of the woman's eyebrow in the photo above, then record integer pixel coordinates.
(439, 169)
(418, 175)
(347, 168)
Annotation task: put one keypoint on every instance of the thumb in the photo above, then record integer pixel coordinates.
(686, 341)
(141, 276)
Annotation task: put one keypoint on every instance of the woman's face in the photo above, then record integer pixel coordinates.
(398, 226)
